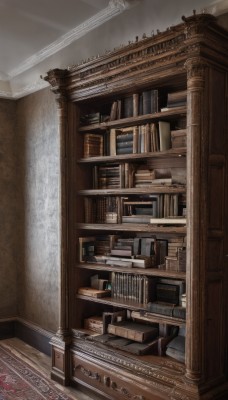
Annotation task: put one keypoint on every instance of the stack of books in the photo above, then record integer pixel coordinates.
(176, 347)
(93, 145)
(176, 99)
(124, 141)
(178, 138)
(89, 119)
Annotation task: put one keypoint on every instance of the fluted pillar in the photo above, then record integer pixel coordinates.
(61, 341)
(195, 215)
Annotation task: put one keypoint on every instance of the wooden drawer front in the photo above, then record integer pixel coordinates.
(58, 359)
(114, 384)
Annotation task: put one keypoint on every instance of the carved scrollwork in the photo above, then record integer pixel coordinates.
(89, 374)
(178, 395)
(152, 49)
(125, 392)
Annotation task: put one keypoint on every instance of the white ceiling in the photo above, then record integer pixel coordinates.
(36, 35)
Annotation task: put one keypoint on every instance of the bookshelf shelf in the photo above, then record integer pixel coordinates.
(176, 153)
(134, 307)
(144, 164)
(153, 189)
(138, 271)
(132, 121)
(176, 230)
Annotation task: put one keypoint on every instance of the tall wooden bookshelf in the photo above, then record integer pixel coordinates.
(110, 200)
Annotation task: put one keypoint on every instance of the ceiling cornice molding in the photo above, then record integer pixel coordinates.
(6, 94)
(114, 8)
(28, 89)
(218, 7)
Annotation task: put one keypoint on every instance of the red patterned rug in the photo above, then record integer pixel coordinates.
(19, 381)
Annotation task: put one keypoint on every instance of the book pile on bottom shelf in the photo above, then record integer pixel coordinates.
(138, 314)
(132, 332)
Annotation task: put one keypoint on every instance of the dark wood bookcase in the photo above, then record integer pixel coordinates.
(107, 197)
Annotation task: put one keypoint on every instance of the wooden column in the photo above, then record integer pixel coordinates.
(195, 214)
(61, 341)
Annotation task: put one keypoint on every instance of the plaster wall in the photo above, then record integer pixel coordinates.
(29, 210)
(38, 268)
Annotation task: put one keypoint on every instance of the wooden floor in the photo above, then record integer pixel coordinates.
(41, 362)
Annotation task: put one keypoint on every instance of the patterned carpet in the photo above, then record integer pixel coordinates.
(19, 381)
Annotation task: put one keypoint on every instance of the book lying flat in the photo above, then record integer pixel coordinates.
(133, 347)
(91, 292)
(158, 307)
(133, 331)
(169, 221)
(127, 345)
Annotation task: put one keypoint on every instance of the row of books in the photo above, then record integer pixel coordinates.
(129, 175)
(131, 252)
(148, 102)
(150, 137)
(133, 287)
(143, 209)
(160, 295)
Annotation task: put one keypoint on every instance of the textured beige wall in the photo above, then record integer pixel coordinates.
(9, 211)
(29, 209)
(38, 269)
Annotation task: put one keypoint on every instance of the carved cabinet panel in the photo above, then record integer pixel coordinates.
(115, 383)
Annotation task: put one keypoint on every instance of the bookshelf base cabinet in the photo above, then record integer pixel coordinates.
(116, 382)
(143, 311)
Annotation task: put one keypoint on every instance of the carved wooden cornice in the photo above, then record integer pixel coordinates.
(196, 24)
(140, 59)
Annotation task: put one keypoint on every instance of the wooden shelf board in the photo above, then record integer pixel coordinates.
(181, 230)
(171, 153)
(153, 189)
(132, 121)
(138, 271)
(134, 307)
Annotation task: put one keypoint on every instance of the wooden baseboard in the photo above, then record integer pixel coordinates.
(6, 329)
(31, 334)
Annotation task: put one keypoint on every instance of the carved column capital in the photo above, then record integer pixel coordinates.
(56, 77)
(195, 67)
